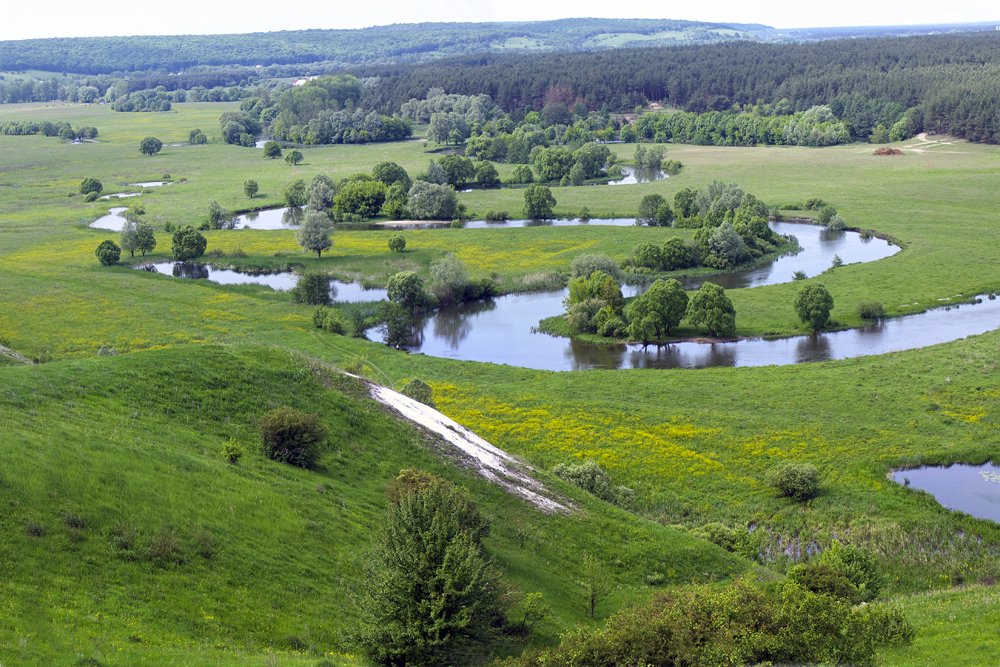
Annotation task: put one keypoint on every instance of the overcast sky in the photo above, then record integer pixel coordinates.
(62, 18)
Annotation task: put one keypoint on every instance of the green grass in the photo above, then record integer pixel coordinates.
(110, 458)
(957, 627)
(694, 444)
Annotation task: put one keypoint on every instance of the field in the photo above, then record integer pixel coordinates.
(694, 445)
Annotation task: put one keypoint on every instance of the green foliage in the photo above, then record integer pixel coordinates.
(586, 264)
(295, 194)
(538, 202)
(272, 149)
(313, 289)
(420, 391)
(219, 218)
(406, 289)
(363, 199)
(593, 584)
(653, 314)
(397, 243)
(314, 233)
(250, 188)
(391, 173)
(711, 308)
(521, 175)
(450, 281)
(196, 137)
(649, 209)
(588, 476)
(871, 310)
(232, 451)
(431, 590)
(458, 170)
(294, 157)
(291, 436)
(108, 252)
(429, 201)
(845, 572)
(486, 175)
(150, 146)
(137, 235)
(91, 185)
(188, 243)
(799, 481)
(813, 305)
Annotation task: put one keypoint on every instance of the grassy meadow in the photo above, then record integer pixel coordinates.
(131, 443)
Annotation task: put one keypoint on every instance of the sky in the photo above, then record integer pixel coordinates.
(62, 18)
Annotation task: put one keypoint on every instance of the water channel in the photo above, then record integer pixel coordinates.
(972, 489)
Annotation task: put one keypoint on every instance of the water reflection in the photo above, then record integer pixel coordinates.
(271, 218)
(634, 176)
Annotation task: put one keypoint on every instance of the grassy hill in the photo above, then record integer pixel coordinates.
(131, 540)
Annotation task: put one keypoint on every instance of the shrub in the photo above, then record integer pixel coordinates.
(497, 216)
(188, 243)
(232, 451)
(871, 310)
(90, 186)
(588, 476)
(313, 289)
(420, 391)
(290, 436)
(397, 243)
(795, 480)
(584, 265)
(334, 323)
(108, 252)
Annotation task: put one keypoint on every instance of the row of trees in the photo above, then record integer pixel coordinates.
(60, 129)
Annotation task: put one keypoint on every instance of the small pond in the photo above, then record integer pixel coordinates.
(632, 176)
(972, 489)
(113, 221)
(121, 195)
(279, 280)
(151, 184)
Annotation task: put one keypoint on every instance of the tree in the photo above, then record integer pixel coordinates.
(130, 237)
(219, 218)
(321, 193)
(813, 305)
(648, 208)
(521, 174)
(428, 201)
(295, 193)
(314, 234)
(686, 203)
(419, 390)
(458, 169)
(312, 288)
(294, 157)
(150, 146)
(292, 437)
(360, 198)
(197, 137)
(390, 173)
(553, 163)
(272, 150)
(430, 588)
(91, 185)
(188, 243)
(108, 252)
(144, 237)
(486, 175)
(250, 188)
(652, 314)
(407, 289)
(712, 308)
(395, 202)
(538, 202)
(397, 243)
(594, 582)
(449, 279)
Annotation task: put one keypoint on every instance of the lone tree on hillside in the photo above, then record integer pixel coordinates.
(813, 305)
(430, 588)
(250, 188)
(150, 146)
(314, 234)
(294, 157)
(108, 252)
(91, 185)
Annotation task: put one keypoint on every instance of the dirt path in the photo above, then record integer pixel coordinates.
(925, 143)
(489, 461)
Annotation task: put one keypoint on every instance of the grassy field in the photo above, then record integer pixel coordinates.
(695, 445)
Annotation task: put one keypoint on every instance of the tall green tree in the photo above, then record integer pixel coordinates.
(813, 305)
(652, 314)
(150, 146)
(188, 243)
(538, 202)
(712, 308)
(431, 589)
(250, 188)
(272, 150)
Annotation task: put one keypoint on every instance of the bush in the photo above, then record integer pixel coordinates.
(795, 480)
(588, 476)
(397, 243)
(290, 436)
(841, 571)
(90, 186)
(420, 391)
(188, 243)
(497, 216)
(584, 265)
(312, 289)
(232, 451)
(108, 252)
(871, 310)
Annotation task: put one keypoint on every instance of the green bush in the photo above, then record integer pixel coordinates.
(588, 476)
(420, 391)
(232, 451)
(290, 436)
(871, 310)
(108, 252)
(397, 243)
(188, 243)
(91, 186)
(795, 480)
